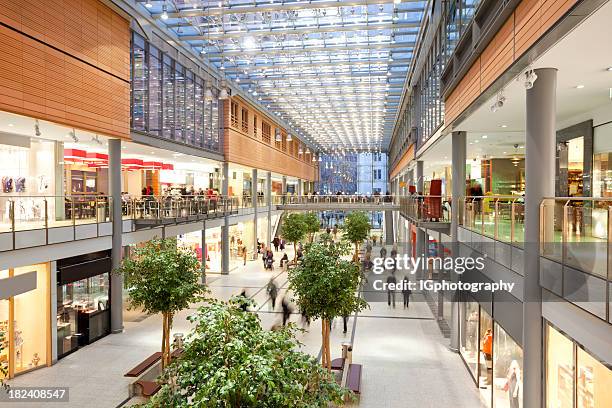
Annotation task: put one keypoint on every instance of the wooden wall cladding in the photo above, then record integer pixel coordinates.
(250, 149)
(403, 162)
(529, 21)
(66, 61)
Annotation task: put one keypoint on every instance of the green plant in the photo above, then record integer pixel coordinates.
(312, 224)
(325, 286)
(294, 230)
(230, 361)
(162, 278)
(356, 229)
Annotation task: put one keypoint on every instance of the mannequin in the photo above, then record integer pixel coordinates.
(513, 384)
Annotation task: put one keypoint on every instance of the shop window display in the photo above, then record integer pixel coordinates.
(82, 312)
(469, 335)
(594, 382)
(559, 370)
(507, 371)
(588, 386)
(485, 366)
(25, 323)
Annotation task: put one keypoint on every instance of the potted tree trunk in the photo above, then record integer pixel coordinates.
(312, 225)
(325, 286)
(162, 278)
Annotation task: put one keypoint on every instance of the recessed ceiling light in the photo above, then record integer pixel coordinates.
(504, 152)
(11, 125)
(503, 126)
(609, 69)
(579, 86)
(484, 136)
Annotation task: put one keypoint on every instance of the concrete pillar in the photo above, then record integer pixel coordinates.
(225, 247)
(299, 188)
(203, 266)
(284, 187)
(114, 191)
(269, 201)
(459, 154)
(254, 199)
(419, 177)
(540, 141)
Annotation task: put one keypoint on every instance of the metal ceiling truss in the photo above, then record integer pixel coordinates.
(333, 70)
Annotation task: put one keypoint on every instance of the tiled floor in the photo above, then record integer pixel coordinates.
(405, 359)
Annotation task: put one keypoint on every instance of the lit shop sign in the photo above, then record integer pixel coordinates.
(100, 160)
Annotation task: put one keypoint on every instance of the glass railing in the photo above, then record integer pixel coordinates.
(22, 213)
(575, 231)
(430, 208)
(333, 198)
(498, 217)
(179, 206)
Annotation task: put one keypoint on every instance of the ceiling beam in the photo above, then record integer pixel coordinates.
(303, 50)
(327, 28)
(405, 62)
(267, 7)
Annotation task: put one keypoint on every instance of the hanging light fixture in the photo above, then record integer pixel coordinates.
(277, 135)
(223, 94)
(164, 14)
(208, 95)
(289, 137)
(300, 151)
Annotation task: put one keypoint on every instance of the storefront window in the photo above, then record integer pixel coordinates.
(469, 335)
(31, 322)
(485, 378)
(4, 334)
(559, 370)
(81, 316)
(189, 109)
(507, 371)
(594, 382)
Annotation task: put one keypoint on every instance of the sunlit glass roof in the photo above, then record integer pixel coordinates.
(334, 70)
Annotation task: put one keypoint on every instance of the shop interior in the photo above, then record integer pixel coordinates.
(25, 323)
(65, 170)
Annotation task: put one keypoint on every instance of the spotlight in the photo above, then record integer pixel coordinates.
(529, 78)
(37, 129)
(148, 4)
(96, 139)
(499, 102)
(73, 136)
(164, 14)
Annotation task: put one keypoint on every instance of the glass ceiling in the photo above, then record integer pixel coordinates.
(334, 70)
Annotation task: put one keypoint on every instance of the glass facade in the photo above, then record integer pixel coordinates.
(492, 356)
(82, 312)
(168, 99)
(574, 378)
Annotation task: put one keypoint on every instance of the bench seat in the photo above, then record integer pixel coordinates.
(148, 388)
(142, 367)
(353, 378)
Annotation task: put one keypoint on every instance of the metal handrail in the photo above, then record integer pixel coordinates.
(476, 208)
(430, 208)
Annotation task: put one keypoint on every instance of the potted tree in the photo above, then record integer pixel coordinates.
(162, 278)
(325, 286)
(312, 225)
(230, 361)
(294, 230)
(356, 229)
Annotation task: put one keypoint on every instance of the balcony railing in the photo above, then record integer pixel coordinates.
(429, 208)
(160, 208)
(335, 198)
(30, 221)
(498, 217)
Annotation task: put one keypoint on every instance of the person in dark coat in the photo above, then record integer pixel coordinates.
(272, 290)
(276, 243)
(287, 310)
(406, 292)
